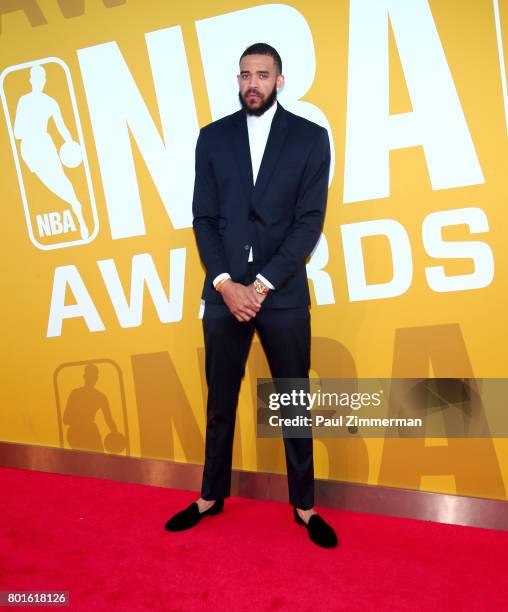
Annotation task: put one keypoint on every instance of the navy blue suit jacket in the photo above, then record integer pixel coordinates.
(281, 217)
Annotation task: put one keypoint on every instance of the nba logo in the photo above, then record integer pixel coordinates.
(47, 143)
(91, 408)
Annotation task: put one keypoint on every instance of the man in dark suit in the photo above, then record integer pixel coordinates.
(259, 202)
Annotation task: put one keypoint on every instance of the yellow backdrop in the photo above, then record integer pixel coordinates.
(101, 328)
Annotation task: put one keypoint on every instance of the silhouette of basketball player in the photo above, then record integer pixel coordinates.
(82, 406)
(37, 147)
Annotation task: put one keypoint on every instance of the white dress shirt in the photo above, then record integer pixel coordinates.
(259, 130)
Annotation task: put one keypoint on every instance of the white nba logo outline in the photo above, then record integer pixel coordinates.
(80, 141)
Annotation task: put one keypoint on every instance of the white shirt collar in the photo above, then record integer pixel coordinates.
(265, 118)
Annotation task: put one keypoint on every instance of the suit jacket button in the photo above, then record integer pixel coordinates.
(246, 247)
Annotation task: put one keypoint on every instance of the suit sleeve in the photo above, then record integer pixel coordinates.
(308, 218)
(205, 211)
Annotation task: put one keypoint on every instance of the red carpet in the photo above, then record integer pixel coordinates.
(104, 542)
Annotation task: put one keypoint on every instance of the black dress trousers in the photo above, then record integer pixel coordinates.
(285, 336)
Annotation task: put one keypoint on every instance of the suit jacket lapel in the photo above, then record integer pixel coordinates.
(242, 151)
(272, 151)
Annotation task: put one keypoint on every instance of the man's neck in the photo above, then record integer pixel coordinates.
(269, 112)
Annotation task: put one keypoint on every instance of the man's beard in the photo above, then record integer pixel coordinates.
(264, 106)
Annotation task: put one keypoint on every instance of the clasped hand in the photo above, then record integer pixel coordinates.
(243, 301)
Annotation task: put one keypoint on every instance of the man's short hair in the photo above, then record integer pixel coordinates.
(264, 49)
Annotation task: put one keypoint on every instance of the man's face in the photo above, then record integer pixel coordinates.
(258, 82)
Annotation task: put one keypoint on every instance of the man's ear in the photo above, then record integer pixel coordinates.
(280, 81)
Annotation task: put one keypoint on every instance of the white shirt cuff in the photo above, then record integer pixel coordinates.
(266, 282)
(218, 279)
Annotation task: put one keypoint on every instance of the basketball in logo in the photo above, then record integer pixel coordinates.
(115, 442)
(70, 154)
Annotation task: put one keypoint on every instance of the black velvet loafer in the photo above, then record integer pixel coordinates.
(185, 519)
(320, 532)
